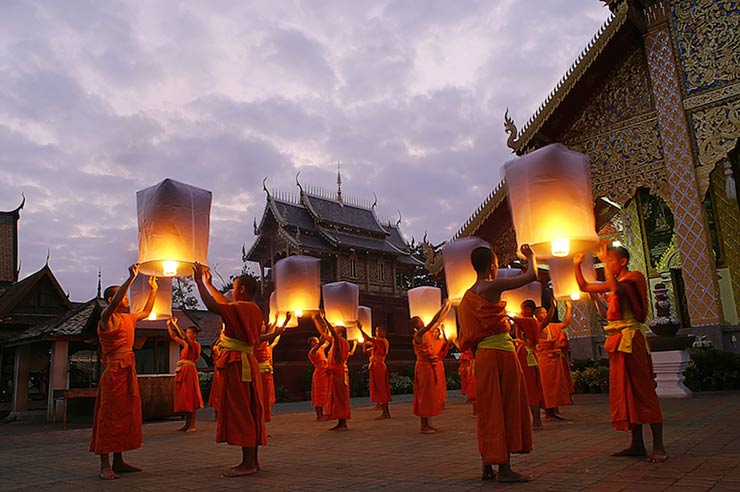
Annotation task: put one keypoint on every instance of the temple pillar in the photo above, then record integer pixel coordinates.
(58, 378)
(20, 378)
(697, 261)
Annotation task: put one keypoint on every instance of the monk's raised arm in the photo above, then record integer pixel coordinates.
(133, 271)
(211, 303)
(147, 310)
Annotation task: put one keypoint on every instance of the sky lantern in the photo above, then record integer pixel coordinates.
(297, 284)
(341, 303)
(563, 278)
(277, 318)
(514, 298)
(174, 224)
(449, 325)
(424, 302)
(365, 315)
(459, 272)
(139, 293)
(552, 206)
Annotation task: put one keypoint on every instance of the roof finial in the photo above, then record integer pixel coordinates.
(100, 284)
(264, 187)
(48, 256)
(339, 181)
(299, 183)
(375, 202)
(398, 222)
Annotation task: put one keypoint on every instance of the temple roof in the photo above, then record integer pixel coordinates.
(15, 293)
(77, 322)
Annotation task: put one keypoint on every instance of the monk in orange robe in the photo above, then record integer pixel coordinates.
(632, 397)
(467, 375)
(319, 378)
(527, 335)
(117, 418)
(241, 417)
(188, 398)
(263, 352)
(213, 396)
(338, 406)
(428, 373)
(441, 347)
(556, 390)
(380, 386)
(504, 426)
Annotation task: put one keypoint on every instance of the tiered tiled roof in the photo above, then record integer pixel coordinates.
(79, 322)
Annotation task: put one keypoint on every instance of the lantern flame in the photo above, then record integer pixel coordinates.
(575, 296)
(361, 340)
(169, 268)
(298, 313)
(152, 316)
(561, 247)
(616, 244)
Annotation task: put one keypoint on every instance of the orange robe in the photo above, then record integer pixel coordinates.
(380, 386)
(526, 330)
(241, 416)
(117, 417)
(555, 388)
(428, 377)
(216, 382)
(263, 353)
(463, 370)
(632, 396)
(338, 407)
(188, 398)
(504, 424)
(319, 379)
(441, 348)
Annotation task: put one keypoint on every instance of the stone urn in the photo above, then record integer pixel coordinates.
(669, 351)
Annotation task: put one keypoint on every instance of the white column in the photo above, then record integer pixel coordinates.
(669, 366)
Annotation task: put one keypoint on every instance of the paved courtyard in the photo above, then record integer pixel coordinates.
(702, 437)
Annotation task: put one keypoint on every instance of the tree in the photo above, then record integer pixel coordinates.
(182, 294)
(422, 276)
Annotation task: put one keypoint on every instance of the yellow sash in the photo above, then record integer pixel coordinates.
(501, 341)
(628, 328)
(184, 362)
(266, 367)
(234, 345)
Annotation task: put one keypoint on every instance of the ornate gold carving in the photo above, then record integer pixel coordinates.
(668, 258)
(728, 222)
(708, 42)
(510, 128)
(624, 95)
(716, 95)
(716, 129)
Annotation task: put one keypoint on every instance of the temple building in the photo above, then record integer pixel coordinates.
(654, 101)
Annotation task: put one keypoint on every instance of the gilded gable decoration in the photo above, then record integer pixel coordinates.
(717, 130)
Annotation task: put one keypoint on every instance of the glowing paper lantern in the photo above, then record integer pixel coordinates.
(459, 272)
(298, 284)
(562, 276)
(552, 206)
(277, 318)
(449, 325)
(174, 223)
(341, 300)
(139, 293)
(366, 319)
(514, 298)
(424, 302)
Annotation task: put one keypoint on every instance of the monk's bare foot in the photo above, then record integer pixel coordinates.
(383, 417)
(239, 471)
(123, 467)
(192, 429)
(428, 430)
(511, 476)
(342, 428)
(631, 451)
(323, 418)
(487, 473)
(538, 426)
(183, 428)
(108, 474)
(657, 456)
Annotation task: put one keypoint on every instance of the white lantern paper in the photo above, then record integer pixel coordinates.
(341, 302)
(459, 272)
(174, 223)
(277, 318)
(139, 293)
(424, 302)
(551, 201)
(450, 325)
(563, 278)
(366, 318)
(229, 294)
(297, 284)
(514, 298)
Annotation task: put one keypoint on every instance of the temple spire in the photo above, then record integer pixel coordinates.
(339, 182)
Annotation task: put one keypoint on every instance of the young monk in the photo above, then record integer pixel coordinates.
(380, 387)
(632, 397)
(441, 347)
(213, 396)
(319, 379)
(263, 352)
(527, 333)
(504, 426)
(466, 370)
(428, 373)
(552, 347)
(338, 405)
(117, 417)
(241, 417)
(188, 398)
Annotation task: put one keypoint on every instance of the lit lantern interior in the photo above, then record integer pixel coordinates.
(277, 318)
(174, 224)
(449, 325)
(341, 302)
(139, 293)
(562, 276)
(459, 272)
(297, 284)
(366, 319)
(424, 302)
(552, 207)
(515, 298)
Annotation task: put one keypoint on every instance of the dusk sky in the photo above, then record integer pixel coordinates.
(101, 99)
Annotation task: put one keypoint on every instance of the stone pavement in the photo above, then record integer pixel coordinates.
(702, 436)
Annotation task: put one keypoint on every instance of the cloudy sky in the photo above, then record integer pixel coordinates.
(101, 99)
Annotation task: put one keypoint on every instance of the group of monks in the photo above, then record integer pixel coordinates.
(507, 378)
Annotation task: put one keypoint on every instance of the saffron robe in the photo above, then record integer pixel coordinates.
(526, 330)
(241, 415)
(504, 424)
(428, 378)
(441, 348)
(555, 387)
(188, 398)
(336, 369)
(319, 379)
(463, 370)
(216, 382)
(263, 353)
(380, 387)
(117, 417)
(632, 396)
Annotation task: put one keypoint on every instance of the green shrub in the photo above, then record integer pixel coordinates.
(281, 394)
(401, 385)
(204, 381)
(359, 382)
(453, 381)
(591, 380)
(712, 369)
